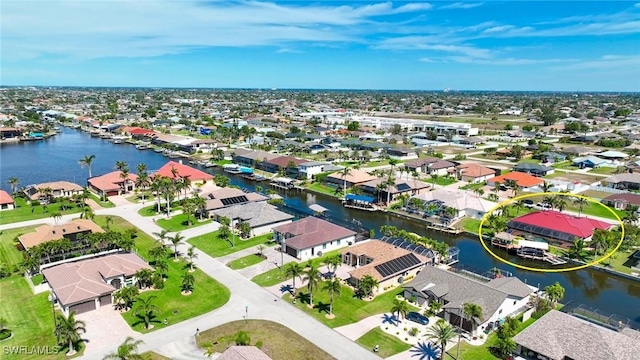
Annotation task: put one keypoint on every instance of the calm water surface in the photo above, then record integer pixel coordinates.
(57, 159)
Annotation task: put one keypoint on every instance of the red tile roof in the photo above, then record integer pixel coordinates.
(581, 227)
(283, 161)
(110, 181)
(5, 198)
(311, 231)
(140, 131)
(522, 179)
(183, 171)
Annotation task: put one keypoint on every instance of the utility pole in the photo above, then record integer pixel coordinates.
(282, 249)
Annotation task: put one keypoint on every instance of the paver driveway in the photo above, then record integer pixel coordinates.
(105, 327)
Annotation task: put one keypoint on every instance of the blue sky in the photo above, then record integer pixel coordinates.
(484, 45)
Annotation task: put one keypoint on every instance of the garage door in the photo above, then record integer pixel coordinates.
(291, 251)
(83, 307)
(105, 300)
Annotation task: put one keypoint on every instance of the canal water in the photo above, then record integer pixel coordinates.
(57, 159)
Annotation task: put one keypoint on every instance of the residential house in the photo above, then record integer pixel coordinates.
(9, 133)
(287, 164)
(353, 178)
(430, 166)
(177, 170)
(225, 197)
(575, 151)
(311, 237)
(112, 183)
(59, 189)
(498, 298)
(589, 161)
(534, 169)
(629, 181)
(561, 336)
(261, 216)
(87, 285)
(622, 201)
(251, 158)
(400, 187)
(388, 264)
(72, 230)
(556, 227)
(402, 153)
(613, 155)
(551, 157)
(466, 203)
(243, 353)
(473, 173)
(309, 169)
(523, 180)
(6, 201)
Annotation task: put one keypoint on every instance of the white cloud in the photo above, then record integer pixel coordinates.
(497, 29)
(508, 61)
(432, 43)
(605, 62)
(461, 5)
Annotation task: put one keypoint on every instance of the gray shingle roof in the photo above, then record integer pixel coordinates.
(558, 335)
(511, 285)
(255, 213)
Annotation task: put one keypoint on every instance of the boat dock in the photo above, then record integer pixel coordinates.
(531, 250)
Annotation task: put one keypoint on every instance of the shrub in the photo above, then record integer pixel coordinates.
(259, 344)
(414, 331)
(405, 329)
(243, 338)
(460, 157)
(4, 334)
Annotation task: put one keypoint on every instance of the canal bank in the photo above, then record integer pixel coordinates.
(57, 159)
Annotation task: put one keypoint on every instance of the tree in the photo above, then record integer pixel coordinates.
(441, 333)
(56, 217)
(312, 277)
(555, 293)
(128, 350)
(146, 310)
(471, 312)
(175, 240)
(509, 328)
(126, 296)
(400, 307)
(346, 171)
(435, 307)
(191, 254)
(87, 213)
(353, 126)
(124, 175)
(68, 331)
(245, 229)
(224, 232)
(261, 248)
(86, 161)
(188, 280)
(580, 202)
(548, 115)
(390, 182)
(577, 249)
(293, 271)
(243, 338)
(13, 183)
(108, 220)
(188, 208)
(504, 347)
(366, 285)
(162, 236)
(332, 287)
(143, 276)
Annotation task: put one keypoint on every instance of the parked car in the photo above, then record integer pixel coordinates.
(418, 318)
(544, 206)
(528, 203)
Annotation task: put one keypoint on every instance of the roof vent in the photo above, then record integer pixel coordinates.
(78, 227)
(53, 231)
(64, 230)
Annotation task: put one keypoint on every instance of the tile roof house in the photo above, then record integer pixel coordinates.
(430, 165)
(243, 353)
(249, 158)
(473, 173)
(86, 285)
(228, 196)
(523, 180)
(112, 183)
(260, 215)
(6, 201)
(70, 230)
(534, 169)
(466, 203)
(355, 177)
(402, 186)
(386, 263)
(557, 226)
(311, 237)
(621, 201)
(183, 171)
(498, 298)
(560, 336)
(575, 150)
(59, 189)
(630, 181)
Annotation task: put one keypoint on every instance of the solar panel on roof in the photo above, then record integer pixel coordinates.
(398, 265)
(234, 200)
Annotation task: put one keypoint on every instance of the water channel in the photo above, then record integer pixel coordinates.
(57, 159)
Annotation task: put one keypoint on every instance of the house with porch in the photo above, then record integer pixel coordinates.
(622, 201)
(353, 178)
(473, 173)
(86, 285)
(261, 216)
(534, 169)
(307, 170)
(59, 189)
(112, 184)
(498, 298)
(589, 161)
(72, 230)
(629, 181)
(6, 201)
(177, 170)
(466, 203)
(228, 196)
(430, 166)
(400, 187)
(311, 237)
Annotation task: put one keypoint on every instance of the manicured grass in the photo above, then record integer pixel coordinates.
(275, 275)
(388, 344)
(104, 204)
(214, 247)
(179, 222)
(37, 280)
(150, 355)
(151, 210)
(470, 352)
(137, 197)
(469, 224)
(347, 308)
(25, 212)
(9, 254)
(278, 341)
(603, 170)
(222, 162)
(596, 210)
(441, 180)
(246, 261)
(208, 294)
(473, 186)
(617, 262)
(529, 161)
(325, 189)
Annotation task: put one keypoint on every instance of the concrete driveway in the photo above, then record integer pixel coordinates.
(105, 327)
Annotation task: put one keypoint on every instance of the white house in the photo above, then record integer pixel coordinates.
(6, 201)
(312, 168)
(312, 237)
(261, 216)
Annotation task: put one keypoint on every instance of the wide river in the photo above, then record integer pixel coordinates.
(57, 159)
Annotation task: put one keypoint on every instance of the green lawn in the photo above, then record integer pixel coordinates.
(442, 181)
(246, 261)
(324, 189)
(603, 170)
(275, 276)
(25, 212)
(104, 204)
(222, 162)
(473, 186)
(617, 262)
(469, 224)
(150, 355)
(214, 247)
(596, 210)
(388, 344)
(9, 254)
(208, 294)
(347, 308)
(529, 161)
(151, 209)
(179, 222)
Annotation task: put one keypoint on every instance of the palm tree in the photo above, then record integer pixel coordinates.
(68, 331)
(630, 217)
(471, 312)
(13, 182)
(191, 254)
(390, 182)
(600, 240)
(158, 253)
(435, 307)
(188, 208)
(576, 250)
(128, 350)
(108, 220)
(560, 202)
(157, 183)
(142, 182)
(312, 277)
(143, 276)
(294, 270)
(367, 284)
(121, 165)
(332, 287)
(162, 236)
(555, 293)
(87, 213)
(546, 187)
(86, 161)
(434, 178)
(380, 187)
(188, 280)
(580, 202)
(400, 307)
(56, 217)
(175, 240)
(441, 333)
(124, 175)
(504, 346)
(146, 310)
(200, 205)
(343, 174)
(161, 267)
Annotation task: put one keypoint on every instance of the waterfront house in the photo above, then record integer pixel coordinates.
(622, 201)
(466, 203)
(59, 189)
(534, 169)
(473, 173)
(225, 197)
(6, 201)
(112, 184)
(430, 166)
(561, 336)
(628, 181)
(9, 133)
(402, 153)
(309, 169)
(311, 237)
(353, 178)
(87, 285)
(252, 158)
(73, 231)
(261, 216)
(523, 180)
(400, 187)
(287, 164)
(556, 227)
(589, 161)
(177, 170)
(498, 298)
(388, 264)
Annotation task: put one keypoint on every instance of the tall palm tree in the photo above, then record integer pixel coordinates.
(86, 161)
(390, 182)
(191, 254)
(366, 285)
(156, 186)
(400, 307)
(555, 293)
(471, 312)
(312, 277)
(560, 202)
(293, 271)
(343, 174)
(143, 277)
(146, 310)
(504, 346)
(434, 178)
(333, 287)
(188, 208)
(200, 205)
(188, 280)
(576, 250)
(162, 236)
(121, 165)
(142, 182)
(580, 202)
(56, 217)
(441, 333)
(546, 187)
(175, 240)
(68, 331)
(158, 253)
(13, 182)
(128, 350)
(124, 175)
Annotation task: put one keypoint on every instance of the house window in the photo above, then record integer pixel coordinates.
(324, 246)
(500, 312)
(338, 243)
